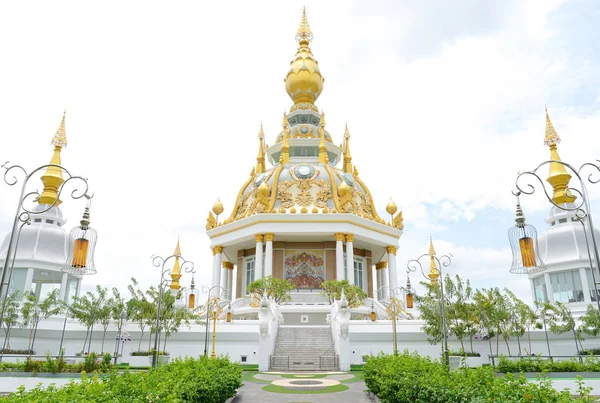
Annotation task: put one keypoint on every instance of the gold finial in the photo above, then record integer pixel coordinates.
(260, 158)
(558, 176)
(304, 33)
(53, 178)
(304, 82)
(551, 136)
(322, 149)
(434, 273)
(347, 156)
(176, 271)
(391, 208)
(285, 147)
(177, 249)
(217, 208)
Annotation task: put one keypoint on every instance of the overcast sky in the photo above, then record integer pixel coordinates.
(444, 101)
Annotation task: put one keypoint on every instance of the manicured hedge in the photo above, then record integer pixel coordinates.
(188, 380)
(409, 378)
(92, 363)
(536, 364)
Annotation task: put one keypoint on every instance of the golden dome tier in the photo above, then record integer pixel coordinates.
(304, 188)
(304, 82)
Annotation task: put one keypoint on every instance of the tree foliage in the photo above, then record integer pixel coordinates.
(278, 289)
(332, 289)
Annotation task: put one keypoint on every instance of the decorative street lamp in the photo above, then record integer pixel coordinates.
(175, 274)
(82, 243)
(392, 308)
(215, 300)
(435, 273)
(564, 197)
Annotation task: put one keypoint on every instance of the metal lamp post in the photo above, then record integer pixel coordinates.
(442, 261)
(158, 261)
(208, 291)
(394, 293)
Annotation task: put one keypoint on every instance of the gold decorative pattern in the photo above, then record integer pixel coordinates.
(228, 265)
(339, 236)
(349, 237)
(398, 221)
(269, 237)
(211, 222)
(391, 250)
(284, 196)
(217, 249)
(381, 265)
(397, 306)
(258, 237)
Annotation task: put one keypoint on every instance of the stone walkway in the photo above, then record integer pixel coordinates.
(251, 392)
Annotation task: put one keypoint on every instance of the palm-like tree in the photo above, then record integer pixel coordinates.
(11, 316)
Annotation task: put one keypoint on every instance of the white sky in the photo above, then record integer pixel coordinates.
(164, 101)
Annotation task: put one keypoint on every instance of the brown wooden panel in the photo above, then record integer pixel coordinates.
(278, 263)
(369, 277)
(329, 245)
(331, 265)
(304, 245)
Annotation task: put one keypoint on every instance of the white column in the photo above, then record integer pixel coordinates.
(585, 285)
(28, 280)
(230, 282)
(339, 256)
(379, 296)
(385, 279)
(258, 264)
(549, 287)
(63, 286)
(216, 274)
(350, 258)
(269, 254)
(391, 250)
(78, 290)
(224, 276)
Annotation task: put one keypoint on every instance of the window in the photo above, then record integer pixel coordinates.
(250, 266)
(49, 221)
(244, 358)
(539, 287)
(590, 280)
(562, 220)
(37, 220)
(358, 272)
(566, 286)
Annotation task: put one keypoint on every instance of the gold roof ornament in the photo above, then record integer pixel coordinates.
(347, 155)
(398, 221)
(304, 82)
(211, 222)
(322, 149)
(391, 207)
(176, 271)
(217, 208)
(434, 273)
(260, 158)
(53, 177)
(558, 176)
(285, 147)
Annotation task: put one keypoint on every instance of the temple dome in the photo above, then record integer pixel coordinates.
(304, 188)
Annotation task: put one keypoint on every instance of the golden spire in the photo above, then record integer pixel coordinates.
(558, 176)
(304, 82)
(176, 271)
(347, 156)
(434, 273)
(322, 149)
(285, 147)
(304, 33)
(217, 208)
(391, 207)
(260, 158)
(53, 177)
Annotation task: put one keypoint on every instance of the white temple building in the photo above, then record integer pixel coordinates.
(563, 246)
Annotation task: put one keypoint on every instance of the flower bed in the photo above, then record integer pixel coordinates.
(188, 380)
(408, 378)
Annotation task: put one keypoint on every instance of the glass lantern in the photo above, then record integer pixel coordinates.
(82, 242)
(409, 294)
(523, 242)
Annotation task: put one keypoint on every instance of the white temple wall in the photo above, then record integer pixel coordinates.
(242, 339)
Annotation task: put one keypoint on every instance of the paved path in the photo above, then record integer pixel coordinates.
(251, 392)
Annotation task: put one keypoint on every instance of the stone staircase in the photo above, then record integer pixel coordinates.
(304, 348)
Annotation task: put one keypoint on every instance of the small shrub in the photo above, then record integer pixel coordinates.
(11, 351)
